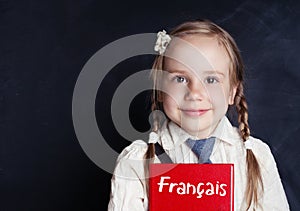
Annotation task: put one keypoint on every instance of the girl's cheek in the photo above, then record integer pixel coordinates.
(217, 96)
(174, 90)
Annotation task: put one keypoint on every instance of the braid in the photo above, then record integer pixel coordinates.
(254, 179)
(150, 153)
(149, 157)
(242, 109)
(155, 98)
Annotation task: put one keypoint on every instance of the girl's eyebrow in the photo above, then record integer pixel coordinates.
(214, 72)
(176, 71)
(205, 72)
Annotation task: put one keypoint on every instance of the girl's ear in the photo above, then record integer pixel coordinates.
(232, 95)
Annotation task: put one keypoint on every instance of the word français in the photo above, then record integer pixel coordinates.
(201, 188)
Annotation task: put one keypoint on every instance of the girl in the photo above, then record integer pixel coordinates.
(197, 75)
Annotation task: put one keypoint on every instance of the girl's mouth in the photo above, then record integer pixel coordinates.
(194, 112)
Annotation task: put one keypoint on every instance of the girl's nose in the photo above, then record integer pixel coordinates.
(195, 91)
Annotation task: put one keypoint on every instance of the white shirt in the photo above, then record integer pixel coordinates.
(128, 184)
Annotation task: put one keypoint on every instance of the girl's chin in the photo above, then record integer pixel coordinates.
(197, 131)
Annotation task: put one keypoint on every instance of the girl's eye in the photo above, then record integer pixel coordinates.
(211, 80)
(180, 79)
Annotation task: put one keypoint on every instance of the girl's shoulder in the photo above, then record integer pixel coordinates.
(257, 145)
(131, 162)
(136, 150)
(262, 152)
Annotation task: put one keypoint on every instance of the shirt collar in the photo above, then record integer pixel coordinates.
(226, 132)
(171, 135)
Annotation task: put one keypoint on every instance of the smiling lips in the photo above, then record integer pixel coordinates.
(194, 112)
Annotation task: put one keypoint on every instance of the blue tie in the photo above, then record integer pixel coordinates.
(202, 148)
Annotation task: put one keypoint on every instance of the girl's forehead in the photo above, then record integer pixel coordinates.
(197, 52)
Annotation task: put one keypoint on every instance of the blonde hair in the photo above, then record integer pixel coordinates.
(236, 74)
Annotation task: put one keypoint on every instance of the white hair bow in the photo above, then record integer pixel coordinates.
(163, 39)
(248, 144)
(153, 138)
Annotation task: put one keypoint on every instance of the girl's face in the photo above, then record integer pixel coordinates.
(196, 84)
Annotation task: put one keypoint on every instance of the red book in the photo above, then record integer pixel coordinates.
(191, 187)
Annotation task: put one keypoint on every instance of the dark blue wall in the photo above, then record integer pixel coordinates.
(45, 44)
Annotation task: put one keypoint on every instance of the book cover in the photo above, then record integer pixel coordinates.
(174, 187)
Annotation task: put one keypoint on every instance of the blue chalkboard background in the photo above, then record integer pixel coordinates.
(45, 44)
